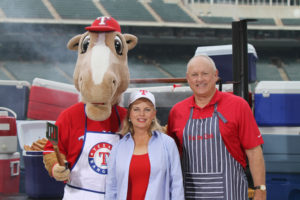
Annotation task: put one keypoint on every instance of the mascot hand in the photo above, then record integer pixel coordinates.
(60, 173)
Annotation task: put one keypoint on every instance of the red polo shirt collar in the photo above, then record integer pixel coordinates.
(213, 101)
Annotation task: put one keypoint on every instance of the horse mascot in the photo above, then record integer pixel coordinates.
(87, 130)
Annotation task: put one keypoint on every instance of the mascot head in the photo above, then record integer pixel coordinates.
(101, 74)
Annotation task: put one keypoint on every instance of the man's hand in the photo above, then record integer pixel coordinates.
(60, 173)
(260, 195)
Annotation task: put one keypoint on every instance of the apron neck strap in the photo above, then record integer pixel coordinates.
(219, 114)
(215, 112)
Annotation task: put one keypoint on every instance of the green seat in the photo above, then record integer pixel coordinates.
(34, 9)
(170, 12)
(216, 20)
(27, 71)
(266, 71)
(76, 9)
(290, 21)
(127, 10)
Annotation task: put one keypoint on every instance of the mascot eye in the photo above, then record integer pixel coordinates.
(85, 44)
(118, 45)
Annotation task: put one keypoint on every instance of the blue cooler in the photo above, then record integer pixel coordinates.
(283, 186)
(38, 183)
(15, 95)
(276, 103)
(282, 160)
(222, 56)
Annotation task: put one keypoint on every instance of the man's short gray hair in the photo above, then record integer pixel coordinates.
(206, 57)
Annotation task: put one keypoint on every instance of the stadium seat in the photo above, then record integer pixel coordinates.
(76, 9)
(27, 71)
(263, 21)
(127, 10)
(170, 12)
(291, 21)
(292, 68)
(216, 20)
(25, 9)
(267, 71)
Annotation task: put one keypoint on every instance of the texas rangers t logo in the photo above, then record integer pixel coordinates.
(98, 157)
(103, 20)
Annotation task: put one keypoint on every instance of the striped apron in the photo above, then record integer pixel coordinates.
(209, 171)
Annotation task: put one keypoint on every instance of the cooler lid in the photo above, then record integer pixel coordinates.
(7, 156)
(31, 131)
(280, 130)
(33, 153)
(54, 85)
(278, 87)
(221, 50)
(18, 84)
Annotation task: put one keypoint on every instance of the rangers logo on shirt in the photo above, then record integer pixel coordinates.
(98, 156)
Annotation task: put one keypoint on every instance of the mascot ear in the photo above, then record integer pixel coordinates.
(74, 42)
(131, 40)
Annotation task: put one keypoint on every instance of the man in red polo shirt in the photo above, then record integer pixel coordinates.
(215, 133)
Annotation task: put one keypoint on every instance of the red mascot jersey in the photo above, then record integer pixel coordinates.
(71, 129)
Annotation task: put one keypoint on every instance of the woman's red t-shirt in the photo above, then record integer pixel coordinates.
(139, 173)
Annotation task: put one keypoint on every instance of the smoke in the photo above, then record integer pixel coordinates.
(37, 42)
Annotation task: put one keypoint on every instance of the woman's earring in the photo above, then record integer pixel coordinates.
(129, 120)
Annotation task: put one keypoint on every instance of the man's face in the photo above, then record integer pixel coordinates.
(202, 77)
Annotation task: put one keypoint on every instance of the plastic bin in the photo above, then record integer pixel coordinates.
(9, 173)
(280, 130)
(38, 183)
(283, 186)
(48, 99)
(276, 103)
(222, 56)
(8, 131)
(14, 95)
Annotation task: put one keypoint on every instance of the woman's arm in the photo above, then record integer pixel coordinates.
(111, 180)
(176, 181)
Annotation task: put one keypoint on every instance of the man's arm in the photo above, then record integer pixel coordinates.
(257, 169)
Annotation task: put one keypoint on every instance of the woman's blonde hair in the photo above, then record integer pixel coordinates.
(127, 125)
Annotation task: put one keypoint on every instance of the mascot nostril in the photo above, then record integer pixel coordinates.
(101, 75)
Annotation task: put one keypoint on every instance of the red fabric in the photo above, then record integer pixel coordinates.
(239, 133)
(71, 127)
(139, 173)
